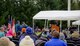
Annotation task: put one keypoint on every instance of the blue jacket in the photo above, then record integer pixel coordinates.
(55, 42)
(18, 27)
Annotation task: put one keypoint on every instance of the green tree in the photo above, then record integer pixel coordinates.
(75, 5)
(24, 10)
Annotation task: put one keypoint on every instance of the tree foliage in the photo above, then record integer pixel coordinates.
(75, 4)
(24, 10)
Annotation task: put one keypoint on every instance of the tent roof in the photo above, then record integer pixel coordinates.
(58, 15)
(76, 22)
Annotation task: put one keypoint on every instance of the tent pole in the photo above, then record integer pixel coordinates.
(69, 5)
(68, 24)
(69, 8)
(33, 25)
(60, 25)
(78, 28)
(47, 24)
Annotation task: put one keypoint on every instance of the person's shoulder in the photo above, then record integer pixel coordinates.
(50, 41)
(11, 43)
(1, 32)
(63, 42)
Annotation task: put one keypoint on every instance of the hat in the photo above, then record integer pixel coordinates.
(23, 29)
(29, 30)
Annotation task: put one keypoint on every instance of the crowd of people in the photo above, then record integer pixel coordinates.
(25, 36)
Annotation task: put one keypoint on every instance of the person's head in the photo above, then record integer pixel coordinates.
(29, 30)
(18, 22)
(55, 34)
(75, 34)
(23, 30)
(27, 37)
(2, 29)
(9, 26)
(4, 41)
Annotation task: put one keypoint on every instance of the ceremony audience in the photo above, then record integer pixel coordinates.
(26, 36)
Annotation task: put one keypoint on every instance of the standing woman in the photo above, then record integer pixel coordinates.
(9, 33)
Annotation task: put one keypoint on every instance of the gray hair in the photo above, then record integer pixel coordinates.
(4, 41)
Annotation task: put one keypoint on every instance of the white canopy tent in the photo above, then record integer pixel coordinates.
(76, 23)
(57, 15)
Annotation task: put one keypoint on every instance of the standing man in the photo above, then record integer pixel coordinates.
(55, 41)
(17, 27)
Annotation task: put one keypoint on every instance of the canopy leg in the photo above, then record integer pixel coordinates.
(33, 25)
(47, 24)
(69, 5)
(60, 25)
(68, 24)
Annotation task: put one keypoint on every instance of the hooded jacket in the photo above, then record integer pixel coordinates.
(27, 41)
